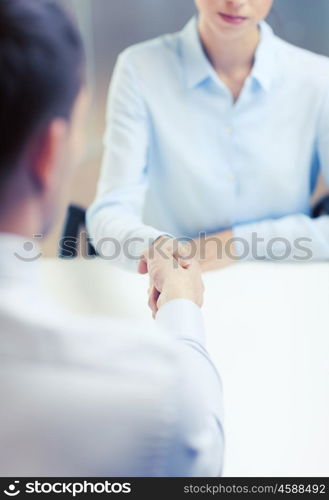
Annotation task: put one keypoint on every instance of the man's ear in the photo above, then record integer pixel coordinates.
(47, 152)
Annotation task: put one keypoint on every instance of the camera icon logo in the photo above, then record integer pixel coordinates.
(29, 252)
(13, 492)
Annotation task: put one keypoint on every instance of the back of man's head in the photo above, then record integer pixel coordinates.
(41, 74)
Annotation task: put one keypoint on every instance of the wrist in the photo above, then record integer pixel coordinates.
(173, 291)
(216, 251)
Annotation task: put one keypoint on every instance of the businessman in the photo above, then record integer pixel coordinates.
(85, 397)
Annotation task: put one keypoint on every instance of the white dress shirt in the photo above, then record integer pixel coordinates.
(182, 158)
(102, 396)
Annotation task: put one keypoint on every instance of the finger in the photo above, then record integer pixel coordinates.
(142, 266)
(186, 263)
(154, 308)
(193, 264)
(153, 299)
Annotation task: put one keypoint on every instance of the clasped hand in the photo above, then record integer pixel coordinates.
(173, 275)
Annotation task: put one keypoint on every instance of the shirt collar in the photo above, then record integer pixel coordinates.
(19, 259)
(198, 68)
(265, 65)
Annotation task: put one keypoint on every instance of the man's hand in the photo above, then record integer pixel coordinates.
(163, 248)
(173, 278)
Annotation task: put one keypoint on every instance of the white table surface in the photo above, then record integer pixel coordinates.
(268, 334)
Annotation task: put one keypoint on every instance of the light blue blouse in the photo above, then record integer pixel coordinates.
(182, 158)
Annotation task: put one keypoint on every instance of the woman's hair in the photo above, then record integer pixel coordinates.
(41, 72)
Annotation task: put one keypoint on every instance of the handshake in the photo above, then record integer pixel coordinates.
(172, 274)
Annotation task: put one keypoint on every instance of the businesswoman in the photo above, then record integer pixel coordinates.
(220, 130)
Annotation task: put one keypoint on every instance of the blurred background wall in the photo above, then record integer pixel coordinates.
(109, 26)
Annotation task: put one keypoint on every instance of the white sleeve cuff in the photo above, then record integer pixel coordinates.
(183, 320)
(250, 241)
(292, 238)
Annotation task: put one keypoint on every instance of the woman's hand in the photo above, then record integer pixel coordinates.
(162, 247)
(215, 251)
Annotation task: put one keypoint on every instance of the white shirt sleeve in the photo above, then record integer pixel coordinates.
(115, 219)
(198, 442)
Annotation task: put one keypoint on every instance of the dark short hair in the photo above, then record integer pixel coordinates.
(41, 72)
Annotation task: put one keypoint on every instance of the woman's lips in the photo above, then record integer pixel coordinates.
(232, 19)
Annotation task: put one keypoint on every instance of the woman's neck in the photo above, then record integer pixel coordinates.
(229, 57)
